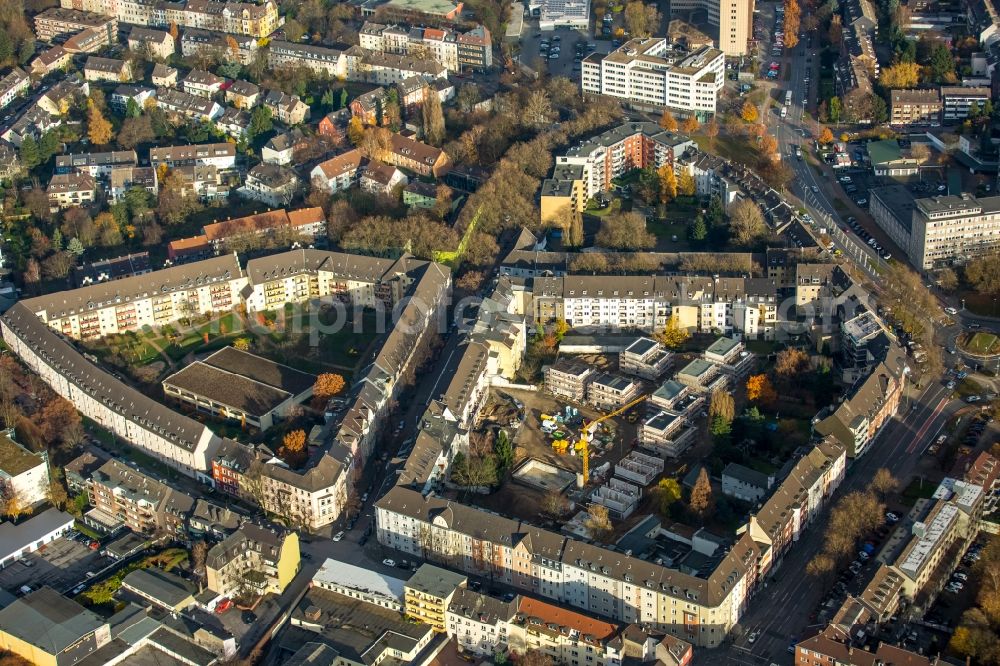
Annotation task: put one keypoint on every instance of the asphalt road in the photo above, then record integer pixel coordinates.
(781, 610)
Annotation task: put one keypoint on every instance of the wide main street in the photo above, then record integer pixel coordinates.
(781, 610)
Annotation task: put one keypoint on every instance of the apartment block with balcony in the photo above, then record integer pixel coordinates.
(608, 392)
(123, 496)
(957, 100)
(253, 561)
(731, 356)
(568, 379)
(667, 433)
(632, 145)
(58, 21)
(579, 577)
(915, 107)
(648, 73)
(428, 593)
(645, 358)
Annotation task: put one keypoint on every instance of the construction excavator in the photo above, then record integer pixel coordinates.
(582, 445)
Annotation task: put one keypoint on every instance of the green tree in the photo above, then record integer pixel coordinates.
(260, 122)
(835, 110)
(720, 428)
(57, 240)
(48, 145)
(132, 109)
(6, 47)
(343, 98)
(327, 99)
(29, 153)
(697, 231)
(503, 450)
(75, 247)
(941, 64)
(666, 494)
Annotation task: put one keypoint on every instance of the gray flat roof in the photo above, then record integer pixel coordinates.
(435, 581)
(13, 538)
(723, 346)
(166, 588)
(48, 620)
(696, 368)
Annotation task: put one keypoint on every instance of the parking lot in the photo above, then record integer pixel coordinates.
(59, 565)
(557, 50)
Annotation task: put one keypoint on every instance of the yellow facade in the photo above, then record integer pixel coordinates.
(426, 608)
(25, 650)
(557, 207)
(288, 562)
(687, 316)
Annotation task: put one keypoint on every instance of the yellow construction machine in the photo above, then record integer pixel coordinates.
(582, 445)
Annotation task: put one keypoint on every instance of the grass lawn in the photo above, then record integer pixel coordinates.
(762, 347)
(667, 230)
(980, 304)
(967, 387)
(727, 147)
(918, 490)
(983, 343)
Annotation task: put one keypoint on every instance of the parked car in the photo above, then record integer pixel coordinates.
(389, 563)
(891, 517)
(951, 311)
(338, 536)
(223, 605)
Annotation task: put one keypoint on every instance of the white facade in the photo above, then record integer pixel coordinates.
(643, 72)
(12, 85)
(953, 229)
(26, 477)
(175, 440)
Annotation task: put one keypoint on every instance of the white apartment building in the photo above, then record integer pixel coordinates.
(13, 84)
(952, 229)
(151, 299)
(956, 101)
(173, 439)
(747, 306)
(317, 58)
(734, 18)
(220, 155)
(24, 474)
(647, 73)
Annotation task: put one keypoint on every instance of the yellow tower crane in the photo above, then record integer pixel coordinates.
(587, 433)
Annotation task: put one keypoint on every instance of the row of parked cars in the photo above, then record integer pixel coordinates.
(863, 234)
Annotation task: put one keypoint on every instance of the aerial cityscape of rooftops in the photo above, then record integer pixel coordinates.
(384, 332)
